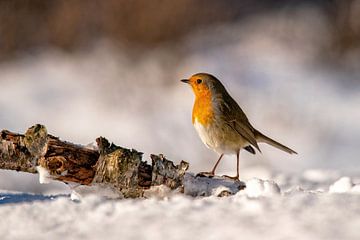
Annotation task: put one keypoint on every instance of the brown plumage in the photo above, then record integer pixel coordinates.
(221, 123)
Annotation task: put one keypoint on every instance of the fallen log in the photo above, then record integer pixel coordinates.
(108, 165)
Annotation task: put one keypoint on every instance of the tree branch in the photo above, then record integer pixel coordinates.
(110, 165)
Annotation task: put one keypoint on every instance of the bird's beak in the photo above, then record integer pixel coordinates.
(185, 80)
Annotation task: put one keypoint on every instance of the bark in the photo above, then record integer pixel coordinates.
(110, 165)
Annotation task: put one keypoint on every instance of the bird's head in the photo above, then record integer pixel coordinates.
(204, 84)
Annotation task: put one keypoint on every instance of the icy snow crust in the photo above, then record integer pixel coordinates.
(261, 211)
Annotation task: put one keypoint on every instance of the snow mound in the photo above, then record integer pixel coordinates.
(205, 186)
(258, 188)
(221, 186)
(344, 185)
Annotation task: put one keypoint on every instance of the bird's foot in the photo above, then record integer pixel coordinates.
(236, 178)
(205, 174)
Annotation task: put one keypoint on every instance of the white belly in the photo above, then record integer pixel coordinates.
(204, 135)
(214, 138)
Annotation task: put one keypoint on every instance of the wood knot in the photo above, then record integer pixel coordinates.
(55, 165)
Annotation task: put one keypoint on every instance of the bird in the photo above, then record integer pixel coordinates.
(221, 124)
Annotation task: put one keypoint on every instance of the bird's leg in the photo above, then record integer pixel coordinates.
(237, 168)
(216, 164)
(212, 173)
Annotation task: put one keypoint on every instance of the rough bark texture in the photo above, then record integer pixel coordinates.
(14, 154)
(66, 162)
(165, 172)
(110, 165)
(120, 167)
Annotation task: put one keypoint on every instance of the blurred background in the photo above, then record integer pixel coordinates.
(112, 68)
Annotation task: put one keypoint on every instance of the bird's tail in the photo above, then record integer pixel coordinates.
(262, 138)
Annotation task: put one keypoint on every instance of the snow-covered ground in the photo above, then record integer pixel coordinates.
(138, 102)
(262, 211)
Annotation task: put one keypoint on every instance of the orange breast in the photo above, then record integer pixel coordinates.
(203, 111)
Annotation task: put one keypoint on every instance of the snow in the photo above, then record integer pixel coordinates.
(257, 187)
(44, 175)
(343, 185)
(203, 186)
(319, 175)
(81, 191)
(261, 210)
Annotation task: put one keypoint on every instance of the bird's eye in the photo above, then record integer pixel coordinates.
(198, 81)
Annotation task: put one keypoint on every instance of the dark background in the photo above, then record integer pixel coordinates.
(32, 25)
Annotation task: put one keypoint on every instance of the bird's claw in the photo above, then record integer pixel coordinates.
(236, 178)
(205, 174)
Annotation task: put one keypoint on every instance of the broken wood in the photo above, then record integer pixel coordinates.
(110, 165)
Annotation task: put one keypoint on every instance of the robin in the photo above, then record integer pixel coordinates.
(221, 123)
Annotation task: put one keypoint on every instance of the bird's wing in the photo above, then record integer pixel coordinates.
(237, 120)
(250, 149)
